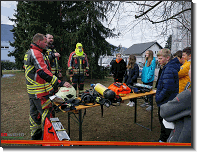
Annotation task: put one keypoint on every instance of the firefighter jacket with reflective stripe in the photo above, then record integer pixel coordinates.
(39, 79)
(53, 60)
(78, 64)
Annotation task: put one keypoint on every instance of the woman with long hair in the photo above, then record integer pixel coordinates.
(132, 74)
(148, 73)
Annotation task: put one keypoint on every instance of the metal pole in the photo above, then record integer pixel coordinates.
(80, 126)
(151, 114)
(69, 124)
(135, 113)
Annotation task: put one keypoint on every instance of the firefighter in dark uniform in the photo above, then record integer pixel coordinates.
(53, 57)
(40, 85)
(78, 67)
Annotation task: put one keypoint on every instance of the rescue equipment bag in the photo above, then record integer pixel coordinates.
(120, 89)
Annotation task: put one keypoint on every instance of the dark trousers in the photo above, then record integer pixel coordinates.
(78, 80)
(150, 97)
(118, 80)
(37, 117)
(165, 133)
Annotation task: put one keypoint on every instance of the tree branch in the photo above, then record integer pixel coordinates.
(140, 4)
(148, 10)
(114, 13)
(172, 17)
(183, 24)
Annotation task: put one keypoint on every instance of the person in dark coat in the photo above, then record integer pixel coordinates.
(178, 112)
(118, 69)
(159, 73)
(168, 85)
(132, 74)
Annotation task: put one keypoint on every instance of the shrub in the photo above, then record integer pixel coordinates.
(7, 65)
(98, 72)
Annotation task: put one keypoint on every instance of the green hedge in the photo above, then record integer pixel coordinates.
(7, 65)
(98, 72)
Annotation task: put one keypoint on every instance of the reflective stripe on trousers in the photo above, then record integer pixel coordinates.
(36, 111)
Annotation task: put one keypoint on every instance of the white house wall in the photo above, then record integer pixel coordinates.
(155, 48)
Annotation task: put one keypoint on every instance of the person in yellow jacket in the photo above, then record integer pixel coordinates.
(183, 73)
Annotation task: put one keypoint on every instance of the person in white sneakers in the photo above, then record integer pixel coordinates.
(132, 75)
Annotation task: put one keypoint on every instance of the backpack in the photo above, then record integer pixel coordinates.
(120, 89)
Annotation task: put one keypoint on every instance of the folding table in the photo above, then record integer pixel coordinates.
(79, 109)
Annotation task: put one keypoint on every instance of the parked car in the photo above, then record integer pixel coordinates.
(140, 64)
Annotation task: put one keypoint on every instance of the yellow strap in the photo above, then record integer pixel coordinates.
(54, 79)
(46, 103)
(40, 86)
(40, 90)
(28, 69)
(53, 70)
(32, 121)
(33, 126)
(44, 114)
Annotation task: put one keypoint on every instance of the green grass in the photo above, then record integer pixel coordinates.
(116, 125)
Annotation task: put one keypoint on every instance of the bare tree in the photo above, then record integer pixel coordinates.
(162, 11)
(160, 16)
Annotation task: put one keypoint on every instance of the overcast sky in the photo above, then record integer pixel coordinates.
(142, 33)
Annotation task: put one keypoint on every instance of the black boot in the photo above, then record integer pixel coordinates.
(37, 135)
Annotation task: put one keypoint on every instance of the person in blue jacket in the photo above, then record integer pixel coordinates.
(168, 86)
(132, 75)
(148, 73)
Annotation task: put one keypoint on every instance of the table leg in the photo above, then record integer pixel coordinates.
(102, 110)
(135, 113)
(151, 114)
(80, 126)
(69, 124)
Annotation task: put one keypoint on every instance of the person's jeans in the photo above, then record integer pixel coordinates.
(150, 97)
(164, 133)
